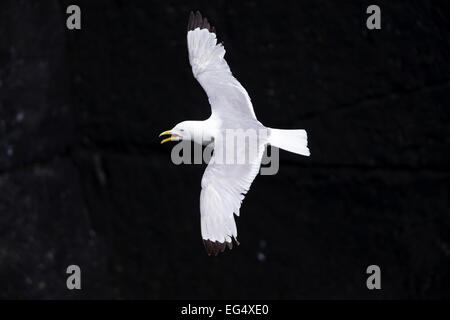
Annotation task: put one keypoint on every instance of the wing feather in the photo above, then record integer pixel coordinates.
(223, 185)
(223, 189)
(226, 95)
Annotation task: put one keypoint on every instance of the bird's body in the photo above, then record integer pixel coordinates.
(226, 179)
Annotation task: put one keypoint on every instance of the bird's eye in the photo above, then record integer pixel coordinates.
(181, 130)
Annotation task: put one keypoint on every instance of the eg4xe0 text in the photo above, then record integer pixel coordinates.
(230, 309)
(246, 309)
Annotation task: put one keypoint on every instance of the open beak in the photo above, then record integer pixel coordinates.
(173, 137)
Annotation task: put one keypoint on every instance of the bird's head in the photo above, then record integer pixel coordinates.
(182, 131)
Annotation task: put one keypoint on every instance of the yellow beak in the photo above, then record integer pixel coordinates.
(165, 133)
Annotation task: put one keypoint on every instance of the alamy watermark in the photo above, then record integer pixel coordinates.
(231, 147)
(374, 280)
(74, 280)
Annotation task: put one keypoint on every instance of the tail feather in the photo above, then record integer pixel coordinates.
(295, 141)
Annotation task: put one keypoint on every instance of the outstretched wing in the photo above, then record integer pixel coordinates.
(226, 95)
(223, 188)
(223, 185)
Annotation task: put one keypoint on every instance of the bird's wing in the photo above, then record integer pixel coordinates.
(223, 185)
(226, 95)
(223, 188)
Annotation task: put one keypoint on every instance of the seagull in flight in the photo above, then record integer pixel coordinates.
(224, 184)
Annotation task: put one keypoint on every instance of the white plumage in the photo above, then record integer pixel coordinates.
(224, 185)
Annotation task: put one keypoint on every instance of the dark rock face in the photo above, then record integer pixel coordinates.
(84, 180)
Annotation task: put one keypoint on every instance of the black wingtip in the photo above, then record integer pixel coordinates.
(214, 247)
(197, 21)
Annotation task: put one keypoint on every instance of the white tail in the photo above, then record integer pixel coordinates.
(295, 141)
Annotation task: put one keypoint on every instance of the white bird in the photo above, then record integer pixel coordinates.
(224, 185)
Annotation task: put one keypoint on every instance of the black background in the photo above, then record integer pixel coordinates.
(84, 179)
